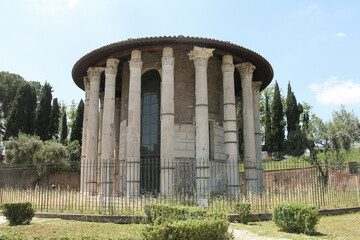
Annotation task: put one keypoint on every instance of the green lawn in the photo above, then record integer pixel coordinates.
(50, 228)
(330, 227)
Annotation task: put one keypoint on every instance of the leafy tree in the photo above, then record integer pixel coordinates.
(277, 123)
(74, 151)
(43, 113)
(71, 115)
(76, 130)
(64, 127)
(42, 156)
(268, 143)
(22, 115)
(54, 119)
(332, 138)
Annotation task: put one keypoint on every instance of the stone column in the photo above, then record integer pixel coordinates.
(246, 73)
(200, 57)
(230, 132)
(167, 122)
(117, 143)
(98, 173)
(255, 91)
(107, 140)
(84, 132)
(134, 118)
(92, 130)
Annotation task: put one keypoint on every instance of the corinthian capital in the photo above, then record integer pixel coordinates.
(168, 60)
(227, 67)
(94, 72)
(111, 66)
(256, 86)
(245, 68)
(135, 63)
(200, 55)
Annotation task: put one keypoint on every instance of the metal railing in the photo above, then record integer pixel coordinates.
(125, 187)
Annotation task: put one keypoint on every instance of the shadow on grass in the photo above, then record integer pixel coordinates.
(314, 234)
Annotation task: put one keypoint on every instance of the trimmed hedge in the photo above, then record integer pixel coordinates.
(161, 213)
(244, 210)
(296, 217)
(18, 213)
(188, 230)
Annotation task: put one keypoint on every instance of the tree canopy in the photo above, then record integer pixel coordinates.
(43, 113)
(22, 115)
(76, 130)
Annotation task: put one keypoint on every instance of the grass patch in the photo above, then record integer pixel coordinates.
(329, 227)
(46, 228)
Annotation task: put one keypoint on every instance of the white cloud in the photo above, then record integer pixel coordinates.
(337, 92)
(340, 34)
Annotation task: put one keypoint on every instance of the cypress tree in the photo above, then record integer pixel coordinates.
(22, 114)
(64, 127)
(76, 130)
(277, 122)
(43, 113)
(54, 119)
(292, 111)
(268, 145)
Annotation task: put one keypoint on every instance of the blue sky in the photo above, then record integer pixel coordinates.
(312, 44)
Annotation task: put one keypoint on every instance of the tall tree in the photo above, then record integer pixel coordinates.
(296, 141)
(9, 84)
(268, 143)
(23, 111)
(54, 119)
(76, 130)
(292, 111)
(64, 127)
(43, 113)
(277, 122)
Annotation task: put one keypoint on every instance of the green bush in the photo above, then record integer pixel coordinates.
(296, 217)
(243, 209)
(18, 213)
(189, 230)
(161, 213)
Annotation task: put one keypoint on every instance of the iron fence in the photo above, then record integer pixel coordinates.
(125, 187)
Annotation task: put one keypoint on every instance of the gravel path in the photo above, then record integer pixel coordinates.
(247, 235)
(2, 219)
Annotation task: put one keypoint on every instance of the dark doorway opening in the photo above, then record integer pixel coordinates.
(150, 132)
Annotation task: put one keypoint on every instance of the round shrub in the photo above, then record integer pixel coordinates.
(296, 217)
(18, 213)
(244, 210)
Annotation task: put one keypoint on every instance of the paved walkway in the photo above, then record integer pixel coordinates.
(2, 219)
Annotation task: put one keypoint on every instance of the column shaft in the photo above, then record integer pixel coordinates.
(200, 57)
(134, 118)
(246, 72)
(256, 89)
(84, 134)
(92, 130)
(167, 122)
(117, 144)
(107, 145)
(230, 132)
(101, 97)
